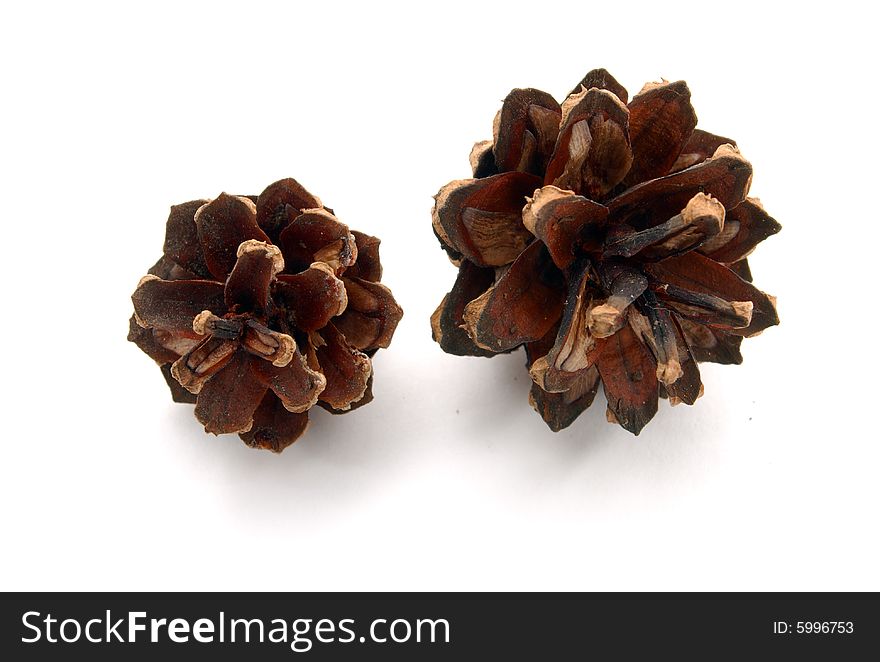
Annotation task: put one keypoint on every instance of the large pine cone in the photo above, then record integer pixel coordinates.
(639, 268)
(260, 308)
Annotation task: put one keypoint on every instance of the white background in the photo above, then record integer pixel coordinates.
(448, 480)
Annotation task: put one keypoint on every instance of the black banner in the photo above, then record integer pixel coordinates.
(290, 626)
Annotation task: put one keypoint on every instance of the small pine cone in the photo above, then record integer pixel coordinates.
(609, 239)
(261, 307)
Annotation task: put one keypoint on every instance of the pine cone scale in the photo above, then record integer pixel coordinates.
(273, 203)
(368, 267)
(482, 218)
(567, 223)
(700, 146)
(312, 297)
(316, 235)
(247, 287)
(172, 305)
(749, 225)
(228, 400)
(701, 274)
(521, 307)
(568, 358)
(559, 410)
(182, 245)
(526, 131)
(603, 80)
(689, 386)
(629, 378)
(592, 153)
(223, 224)
(274, 427)
(447, 322)
(371, 316)
(148, 343)
(347, 369)
(725, 176)
(661, 122)
(296, 385)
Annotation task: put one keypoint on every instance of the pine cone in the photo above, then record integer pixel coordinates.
(260, 308)
(639, 269)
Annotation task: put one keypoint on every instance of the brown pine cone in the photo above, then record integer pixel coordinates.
(639, 269)
(261, 307)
